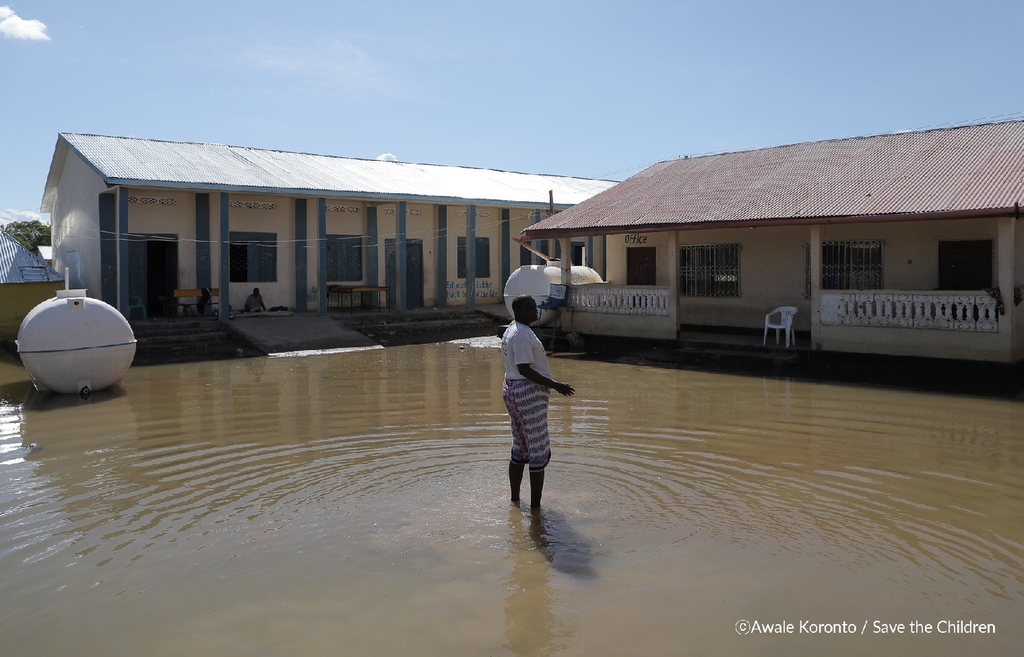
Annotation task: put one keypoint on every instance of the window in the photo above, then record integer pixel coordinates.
(253, 257)
(855, 265)
(344, 258)
(483, 257)
(709, 270)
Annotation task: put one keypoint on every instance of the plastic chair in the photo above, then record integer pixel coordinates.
(136, 302)
(785, 323)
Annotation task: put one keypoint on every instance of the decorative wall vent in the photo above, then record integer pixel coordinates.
(153, 200)
(343, 208)
(253, 205)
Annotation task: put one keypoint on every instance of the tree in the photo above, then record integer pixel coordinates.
(31, 234)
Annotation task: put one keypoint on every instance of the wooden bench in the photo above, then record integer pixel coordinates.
(338, 291)
(196, 294)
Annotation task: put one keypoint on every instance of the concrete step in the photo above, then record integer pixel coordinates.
(143, 329)
(412, 319)
(738, 354)
(204, 338)
(186, 341)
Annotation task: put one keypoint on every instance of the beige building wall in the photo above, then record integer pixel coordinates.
(773, 273)
(178, 219)
(910, 262)
(488, 224)
(75, 221)
(279, 220)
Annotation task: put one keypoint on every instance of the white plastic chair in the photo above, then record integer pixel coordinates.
(785, 323)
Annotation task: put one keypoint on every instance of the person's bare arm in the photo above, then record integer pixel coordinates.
(538, 378)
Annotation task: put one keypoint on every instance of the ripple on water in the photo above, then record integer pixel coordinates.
(395, 461)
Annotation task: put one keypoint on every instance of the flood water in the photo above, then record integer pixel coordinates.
(357, 504)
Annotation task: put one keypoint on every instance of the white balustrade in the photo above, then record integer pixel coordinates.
(619, 300)
(955, 311)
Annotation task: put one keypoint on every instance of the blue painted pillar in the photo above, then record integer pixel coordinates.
(123, 271)
(442, 256)
(321, 259)
(301, 257)
(506, 248)
(590, 252)
(400, 280)
(471, 258)
(109, 284)
(225, 259)
(372, 247)
(204, 274)
(542, 245)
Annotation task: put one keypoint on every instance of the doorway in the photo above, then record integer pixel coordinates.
(153, 272)
(413, 283)
(642, 265)
(965, 265)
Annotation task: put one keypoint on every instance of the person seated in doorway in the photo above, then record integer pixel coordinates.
(254, 302)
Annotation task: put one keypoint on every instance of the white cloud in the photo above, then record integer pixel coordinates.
(8, 215)
(387, 157)
(13, 26)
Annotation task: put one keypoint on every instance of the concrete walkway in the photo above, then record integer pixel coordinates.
(291, 333)
(297, 332)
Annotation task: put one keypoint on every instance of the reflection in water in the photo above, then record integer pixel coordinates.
(547, 542)
(359, 500)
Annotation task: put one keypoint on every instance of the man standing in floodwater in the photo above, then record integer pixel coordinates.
(526, 393)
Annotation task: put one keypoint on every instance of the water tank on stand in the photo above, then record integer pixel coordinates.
(536, 281)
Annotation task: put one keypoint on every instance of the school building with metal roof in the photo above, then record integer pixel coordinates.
(135, 219)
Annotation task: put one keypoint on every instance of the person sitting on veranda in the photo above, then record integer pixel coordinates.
(254, 302)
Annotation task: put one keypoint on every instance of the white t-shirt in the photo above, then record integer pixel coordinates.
(520, 346)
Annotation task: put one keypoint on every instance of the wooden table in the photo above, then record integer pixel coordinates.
(351, 290)
(196, 294)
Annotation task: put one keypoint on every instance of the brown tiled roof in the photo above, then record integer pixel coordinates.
(967, 171)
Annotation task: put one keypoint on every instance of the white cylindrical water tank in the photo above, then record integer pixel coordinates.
(75, 344)
(536, 281)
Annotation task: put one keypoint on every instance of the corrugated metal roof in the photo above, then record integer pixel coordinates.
(129, 161)
(973, 169)
(19, 265)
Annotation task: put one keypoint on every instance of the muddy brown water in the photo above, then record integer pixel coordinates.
(356, 504)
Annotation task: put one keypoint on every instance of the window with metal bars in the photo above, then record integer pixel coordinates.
(483, 257)
(344, 258)
(853, 265)
(709, 270)
(252, 257)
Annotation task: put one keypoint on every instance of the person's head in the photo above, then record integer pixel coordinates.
(524, 307)
(255, 290)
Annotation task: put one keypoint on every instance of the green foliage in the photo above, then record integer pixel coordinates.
(31, 234)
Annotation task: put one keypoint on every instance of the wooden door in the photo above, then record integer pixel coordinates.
(642, 265)
(965, 265)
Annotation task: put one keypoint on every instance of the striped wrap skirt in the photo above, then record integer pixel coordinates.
(527, 404)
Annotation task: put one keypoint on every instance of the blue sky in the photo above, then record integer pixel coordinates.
(594, 89)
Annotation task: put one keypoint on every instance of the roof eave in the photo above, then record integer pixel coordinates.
(366, 196)
(531, 234)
